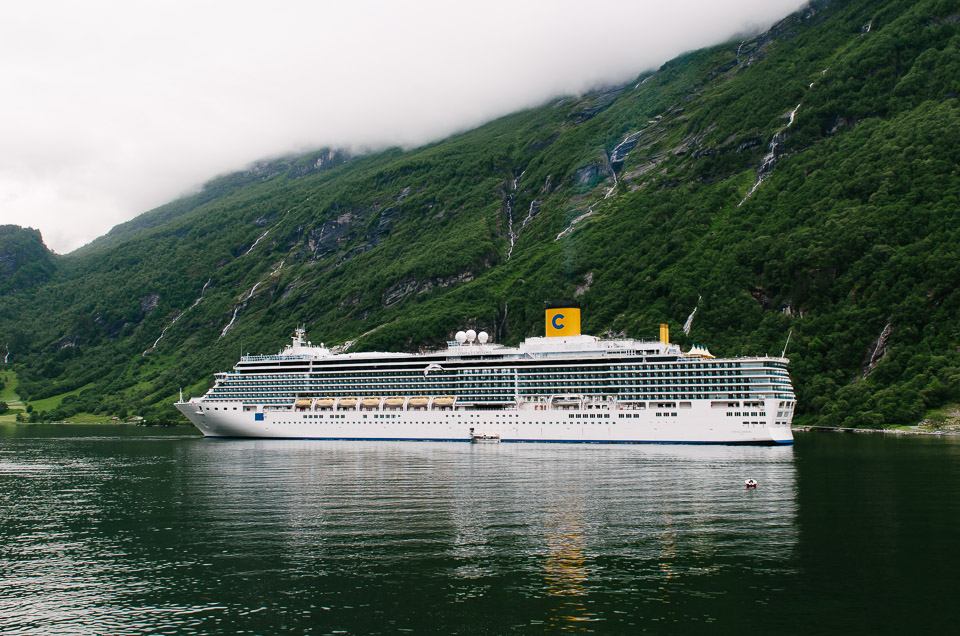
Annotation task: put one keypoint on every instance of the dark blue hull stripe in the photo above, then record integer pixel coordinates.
(517, 441)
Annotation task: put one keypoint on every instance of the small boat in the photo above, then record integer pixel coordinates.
(394, 402)
(484, 438)
(347, 403)
(370, 403)
(444, 401)
(303, 404)
(418, 402)
(325, 403)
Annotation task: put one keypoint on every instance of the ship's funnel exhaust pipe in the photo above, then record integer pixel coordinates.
(664, 333)
(563, 319)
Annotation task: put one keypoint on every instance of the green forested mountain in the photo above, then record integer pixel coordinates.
(805, 179)
(25, 262)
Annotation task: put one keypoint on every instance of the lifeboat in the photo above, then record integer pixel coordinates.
(369, 402)
(303, 404)
(395, 402)
(418, 402)
(444, 401)
(347, 403)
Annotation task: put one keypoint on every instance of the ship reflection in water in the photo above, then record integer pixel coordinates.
(566, 572)
(571, 531)
(241, 536)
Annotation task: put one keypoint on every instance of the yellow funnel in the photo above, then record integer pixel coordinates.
(563, 321)
(664, 333)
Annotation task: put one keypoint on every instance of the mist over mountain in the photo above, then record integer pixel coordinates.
(113, 108)
(799, 181)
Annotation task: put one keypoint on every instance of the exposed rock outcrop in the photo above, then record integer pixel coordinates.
(404, 288)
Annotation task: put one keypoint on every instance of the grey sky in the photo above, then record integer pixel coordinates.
(110, 108)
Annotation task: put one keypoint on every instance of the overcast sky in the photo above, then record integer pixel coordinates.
(110, 108)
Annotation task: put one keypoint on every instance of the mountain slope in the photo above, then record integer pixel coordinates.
(25, 262)
(804, 180)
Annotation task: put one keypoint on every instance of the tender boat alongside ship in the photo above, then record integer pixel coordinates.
(564, 387)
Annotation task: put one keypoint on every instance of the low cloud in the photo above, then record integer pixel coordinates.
(112, 108)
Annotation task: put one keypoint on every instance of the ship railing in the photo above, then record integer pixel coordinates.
(299, 356)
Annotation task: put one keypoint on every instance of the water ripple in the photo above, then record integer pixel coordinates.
(192, 536)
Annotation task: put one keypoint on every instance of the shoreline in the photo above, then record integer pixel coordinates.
(888, 431)
(137, 424)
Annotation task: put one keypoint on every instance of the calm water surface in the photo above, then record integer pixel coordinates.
(128, 532)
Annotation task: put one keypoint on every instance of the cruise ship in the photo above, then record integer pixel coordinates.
(563, 387)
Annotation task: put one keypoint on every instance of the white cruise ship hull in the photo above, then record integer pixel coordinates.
(698, 424)
(564, 387)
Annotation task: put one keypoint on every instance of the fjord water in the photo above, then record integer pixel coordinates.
(127, 531)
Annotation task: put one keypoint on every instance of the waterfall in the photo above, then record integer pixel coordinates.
(509, 201)
(230, 324)
(612, 188)
(257, 242)
(199, 298)
(569, 229)
(772, 157)
(510, 234)
(177, 317)
(689, 323)
(252, 290)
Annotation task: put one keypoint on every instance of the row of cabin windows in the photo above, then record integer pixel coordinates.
(703, 385)
(482, 376)
(673, 369)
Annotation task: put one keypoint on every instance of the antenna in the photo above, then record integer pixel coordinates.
(784, 354)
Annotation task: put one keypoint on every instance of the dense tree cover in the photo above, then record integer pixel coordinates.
(25, 261)
(632, 199)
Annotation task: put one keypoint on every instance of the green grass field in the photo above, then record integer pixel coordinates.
(9, 395)
(90, 418)
(54, 401)
(9, 392)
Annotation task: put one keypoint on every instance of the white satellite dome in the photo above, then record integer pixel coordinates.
(471, 335)
(461, 337)
(483, 336)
